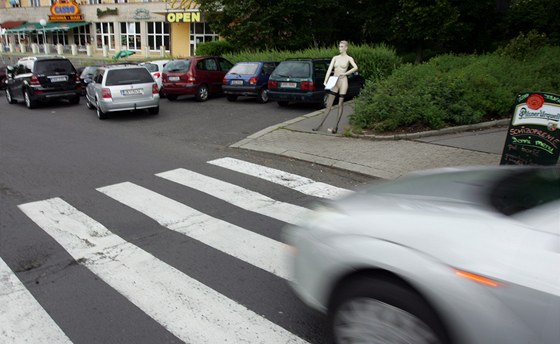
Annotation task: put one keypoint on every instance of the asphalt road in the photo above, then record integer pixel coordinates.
(63, 153)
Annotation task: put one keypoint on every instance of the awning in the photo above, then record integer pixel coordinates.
(50, 27)
(11, 24)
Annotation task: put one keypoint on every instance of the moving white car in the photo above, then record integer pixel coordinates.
(465, 255)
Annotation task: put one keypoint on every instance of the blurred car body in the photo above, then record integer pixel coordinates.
(156, 69)
(37, 79)
(3, 76)
(249, 79)
(447, 256)
(198, 75)
(301, 81)
(120, 88)
(87, 73)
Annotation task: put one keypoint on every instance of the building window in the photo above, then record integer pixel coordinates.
(34, 3)
(82, 36)
(130, 36)
(105, 35)
(94, 2)
(120, 1)
(158, 35)
(60, 38)
(200, 33)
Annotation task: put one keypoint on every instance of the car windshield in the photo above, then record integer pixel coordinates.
(54, 67)
(244, 69)
(177, 66)
(151, 67)
(521, 191)
(88, 70)
(128, 76)
(293, 69)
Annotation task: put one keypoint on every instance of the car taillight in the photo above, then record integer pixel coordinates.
(157, 75)
(253, 81)
(34, 80)
(77, 78)
(224, 81)
(106, 93)
(272, 84)
(307, 85)
(190, 78)
(155, 89)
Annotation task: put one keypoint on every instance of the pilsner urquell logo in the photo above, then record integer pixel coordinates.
(535, 101)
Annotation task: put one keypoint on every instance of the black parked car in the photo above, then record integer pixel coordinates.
(42, 78)
(87, 73)
(301, 81)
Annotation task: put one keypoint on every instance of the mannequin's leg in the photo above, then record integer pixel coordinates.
(340, 110)
(330, 101)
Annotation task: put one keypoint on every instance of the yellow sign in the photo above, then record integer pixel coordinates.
(65, 10)
(183, 17)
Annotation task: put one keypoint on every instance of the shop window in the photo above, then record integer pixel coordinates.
(82, 36)
(94, 2)
(34, 3)
(105, 35)
(158, 35)
(60, 38)
(200, 33)
(130, 36)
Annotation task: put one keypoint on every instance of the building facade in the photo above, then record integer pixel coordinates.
(103, 27)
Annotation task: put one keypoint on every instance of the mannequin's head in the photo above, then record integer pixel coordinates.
(343, 46)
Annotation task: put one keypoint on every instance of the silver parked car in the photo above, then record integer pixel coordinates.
(466, 255)
(120, 88)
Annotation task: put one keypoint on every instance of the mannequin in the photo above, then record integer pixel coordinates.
(340, 64)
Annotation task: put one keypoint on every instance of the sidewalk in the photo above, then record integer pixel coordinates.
(385, 157)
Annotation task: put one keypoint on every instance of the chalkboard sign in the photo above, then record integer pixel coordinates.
(533, 136)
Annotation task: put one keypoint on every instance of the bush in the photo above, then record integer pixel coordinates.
(524, 46)
(214, 48)
(454, 90)
(374, 62)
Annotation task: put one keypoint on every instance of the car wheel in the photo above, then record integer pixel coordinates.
(172, 97)
(283, 103)
(28, 101)
(75, 100)
(100, 113)
(154, 110)
(9, 97)
(231, 97)
(202, 93)
(371, 310)
(89, 105)
(262, 97)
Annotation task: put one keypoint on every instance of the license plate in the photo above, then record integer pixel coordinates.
(237, 82)
(58, 78)
(173, 78)
(288, 84)
(132, 92)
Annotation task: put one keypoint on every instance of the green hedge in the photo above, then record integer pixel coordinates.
(374, 62)
(454, 90)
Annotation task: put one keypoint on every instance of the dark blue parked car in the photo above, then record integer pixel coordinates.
(248, 79)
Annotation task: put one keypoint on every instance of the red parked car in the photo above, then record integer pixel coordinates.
(198, 75)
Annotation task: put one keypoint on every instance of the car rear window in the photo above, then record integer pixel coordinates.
(151, 67)
(293, 69)
(177, 66)
(128, 76)
(54, 67)
(244, 69)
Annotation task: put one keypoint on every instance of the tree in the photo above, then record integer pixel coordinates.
(424, 22)
(272, 24)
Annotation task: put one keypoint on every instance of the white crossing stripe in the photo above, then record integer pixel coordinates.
(190, 310)
(22, 319)
(302, 184)
(238, 196)
(250, 247)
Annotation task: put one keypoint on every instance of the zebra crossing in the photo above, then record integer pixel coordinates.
(161, 291)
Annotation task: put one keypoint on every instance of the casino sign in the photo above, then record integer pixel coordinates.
(65, 10)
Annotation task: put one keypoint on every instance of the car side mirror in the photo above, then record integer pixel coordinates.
(10, 70)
